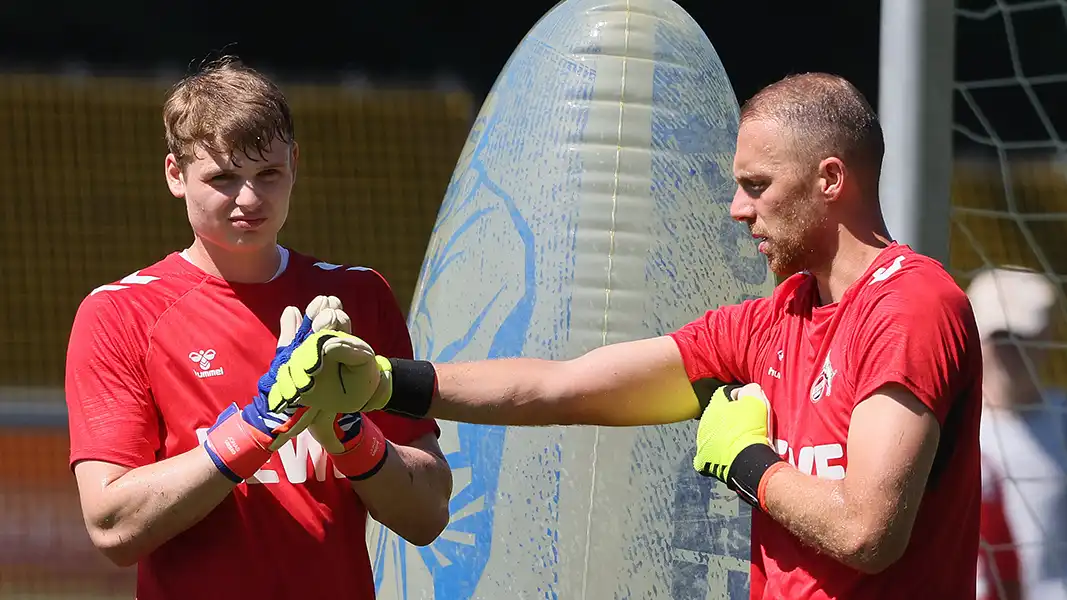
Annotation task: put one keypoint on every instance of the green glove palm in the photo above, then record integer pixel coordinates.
(357, 446)
(358, 380)
(733, 440)
(333, 371)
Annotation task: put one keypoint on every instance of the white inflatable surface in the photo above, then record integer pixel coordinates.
(590, 205)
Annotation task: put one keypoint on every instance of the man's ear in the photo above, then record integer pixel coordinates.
(294, 158)
(831, 178)
(172, 170)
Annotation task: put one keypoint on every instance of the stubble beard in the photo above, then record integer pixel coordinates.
(797, 244)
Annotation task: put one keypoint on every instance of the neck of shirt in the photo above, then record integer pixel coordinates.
(283, 263)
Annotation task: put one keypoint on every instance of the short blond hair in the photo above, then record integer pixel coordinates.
(225, 107)
(827, 114)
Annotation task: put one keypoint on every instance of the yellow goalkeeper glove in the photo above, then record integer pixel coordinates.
(404, 386)
(358, 380)
(357, 446)
(331, 371)
(733, 441)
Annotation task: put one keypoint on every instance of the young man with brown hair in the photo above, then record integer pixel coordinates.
(856, 437)
(177, 470)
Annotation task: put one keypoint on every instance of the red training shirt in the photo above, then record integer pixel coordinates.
(155, 357)
(904, 321)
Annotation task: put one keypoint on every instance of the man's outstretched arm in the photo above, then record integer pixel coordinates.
(641, 382)
(651, 381)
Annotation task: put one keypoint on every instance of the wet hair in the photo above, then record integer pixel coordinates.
(225, 107)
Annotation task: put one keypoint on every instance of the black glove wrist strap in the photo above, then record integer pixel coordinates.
(414, 385)
(747, 471)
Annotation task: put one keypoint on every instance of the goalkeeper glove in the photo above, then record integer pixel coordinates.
(242, 440)
(733, 443)
(366, 382)
(356, 445)
(339, 373)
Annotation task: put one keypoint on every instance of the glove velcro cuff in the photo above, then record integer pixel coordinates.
(414, 386)
(748, 470)
(237, 449)
(368, 455)
(706, 388)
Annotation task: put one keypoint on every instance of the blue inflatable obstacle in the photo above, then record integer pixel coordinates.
(590, 205)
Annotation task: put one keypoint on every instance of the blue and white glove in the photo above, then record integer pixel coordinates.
(242, 440)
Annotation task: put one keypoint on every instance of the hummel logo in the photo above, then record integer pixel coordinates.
(203, 360)
(204, 357)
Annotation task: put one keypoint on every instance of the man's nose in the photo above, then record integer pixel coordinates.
(741, 207)
(246, 195)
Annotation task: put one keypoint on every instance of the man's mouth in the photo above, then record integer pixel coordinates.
(761, 243)
(247, 222)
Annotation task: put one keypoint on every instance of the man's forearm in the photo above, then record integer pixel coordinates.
(508, 391)
(410, 493)
(825, 516)
(147, 506)
(627, 384)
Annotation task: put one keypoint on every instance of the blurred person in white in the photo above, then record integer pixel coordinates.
(1024, 424)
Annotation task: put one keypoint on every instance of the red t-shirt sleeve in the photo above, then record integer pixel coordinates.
(111, 413)
(721, 343)
(915, 334)
(396, 343)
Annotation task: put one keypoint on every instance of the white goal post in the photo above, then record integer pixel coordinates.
(915, 107)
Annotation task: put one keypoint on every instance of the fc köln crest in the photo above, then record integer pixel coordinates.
(824, 383)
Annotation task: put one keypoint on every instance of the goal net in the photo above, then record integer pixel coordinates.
(1009, 197)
